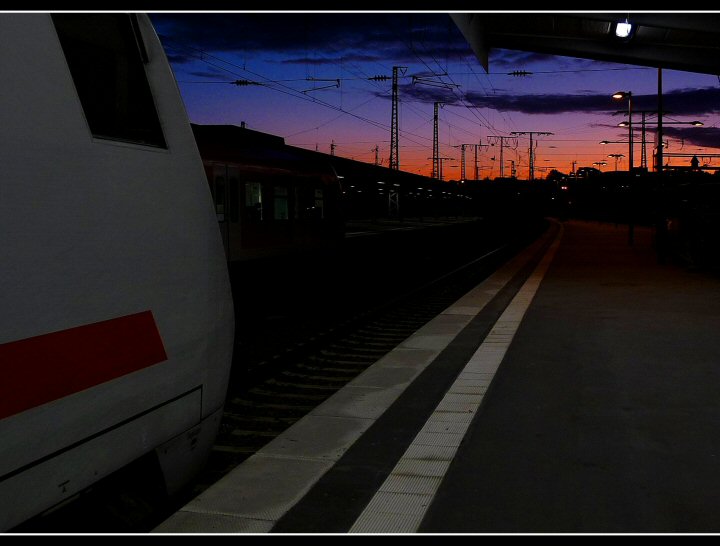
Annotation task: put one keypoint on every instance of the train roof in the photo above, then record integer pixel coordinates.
(232, 135)
(254, 150)
(250, 147)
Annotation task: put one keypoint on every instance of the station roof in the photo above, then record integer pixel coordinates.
(688, 41)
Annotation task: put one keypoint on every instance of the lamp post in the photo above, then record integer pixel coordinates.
(616, 156)
(659, 122)
(614, 142)
(694, 123)
(627, 95)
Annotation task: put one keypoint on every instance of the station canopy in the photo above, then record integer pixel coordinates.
(687, 41)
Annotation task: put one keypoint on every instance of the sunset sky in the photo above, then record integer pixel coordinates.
(291, 64)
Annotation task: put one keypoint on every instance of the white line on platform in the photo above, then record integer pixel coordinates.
(403, 499)
(256, 494)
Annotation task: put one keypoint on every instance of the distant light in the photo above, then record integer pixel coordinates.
(623, 30)
(697, 123)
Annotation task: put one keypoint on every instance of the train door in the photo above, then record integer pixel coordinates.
(253, 215)
(319, 209)
(225, 186)
(218, 186)
(233, 212)
(280, 202)
(282, 221)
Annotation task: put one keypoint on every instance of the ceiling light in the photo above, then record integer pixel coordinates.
(623, 30)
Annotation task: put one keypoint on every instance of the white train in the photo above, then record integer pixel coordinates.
(117, 320)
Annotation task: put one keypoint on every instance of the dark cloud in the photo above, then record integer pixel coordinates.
(401, 38)
(689, 102)
(333, 60)
(510, 59)
(178, 58)
(685, 102)
(207, 73)
(397, 53)
(527, 104)
(698, 136)
(507, 59)
(427, 93)
(543, 103)
(397, 36)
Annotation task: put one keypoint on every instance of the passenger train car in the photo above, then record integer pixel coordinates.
(117, 319)
(273, 199)
(270, 199)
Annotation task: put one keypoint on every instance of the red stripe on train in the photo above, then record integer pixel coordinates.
(44, 368)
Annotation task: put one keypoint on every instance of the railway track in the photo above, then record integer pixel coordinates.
(303, 376)
(277, 386)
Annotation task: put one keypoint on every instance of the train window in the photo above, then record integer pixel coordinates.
(308, 203)
(105, 55)
(280, 202)
(253, 201)
(319, 201)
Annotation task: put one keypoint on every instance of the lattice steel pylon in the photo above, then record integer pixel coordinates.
(436, 147)
(502, 140)
(531, 154)
(394, 148)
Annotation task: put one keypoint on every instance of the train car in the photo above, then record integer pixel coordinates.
(115, 303)
(270, 199)
(377, 192)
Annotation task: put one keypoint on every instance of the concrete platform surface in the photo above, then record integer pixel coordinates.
(576, 390)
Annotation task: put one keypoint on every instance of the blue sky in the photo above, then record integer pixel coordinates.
(308, 77)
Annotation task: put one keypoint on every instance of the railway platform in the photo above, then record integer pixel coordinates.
(376, 226)
(575, 390)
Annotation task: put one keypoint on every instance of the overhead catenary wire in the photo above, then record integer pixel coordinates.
(269, 83)
(377, 81)
(385, 77)
(289, 90)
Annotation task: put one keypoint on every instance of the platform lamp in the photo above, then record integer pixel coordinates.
(694, 123)
(620, 95)
(624, 29)
(616, 156)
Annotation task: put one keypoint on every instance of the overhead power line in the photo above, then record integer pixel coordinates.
(520, 72)
(275, 85)
(531, 160)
